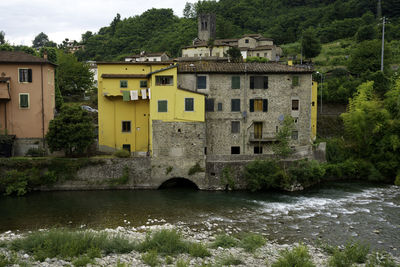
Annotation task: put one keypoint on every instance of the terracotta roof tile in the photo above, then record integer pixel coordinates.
(230, 67)
(20, 57)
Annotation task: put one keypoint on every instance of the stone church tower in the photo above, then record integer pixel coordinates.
(206, 26)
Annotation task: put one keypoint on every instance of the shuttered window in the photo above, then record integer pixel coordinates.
(235, 82)
(25, 75)
(24, 100)
(295, 104)
(258, 82)
(123, 84)
(258, 105)
(143, 84)
(189, 104)
(295, 80)
(235, 105)
(162, 105)
(235, 126)
(201, 82)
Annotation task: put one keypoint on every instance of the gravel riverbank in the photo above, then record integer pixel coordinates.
(263, 256)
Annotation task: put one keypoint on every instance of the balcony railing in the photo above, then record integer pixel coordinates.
(262, 137)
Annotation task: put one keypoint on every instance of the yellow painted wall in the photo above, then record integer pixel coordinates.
(314, 95)
(113, 110)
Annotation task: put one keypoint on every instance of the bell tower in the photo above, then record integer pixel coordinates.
(206, 26)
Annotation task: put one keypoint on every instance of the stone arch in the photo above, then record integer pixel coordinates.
(178, 182)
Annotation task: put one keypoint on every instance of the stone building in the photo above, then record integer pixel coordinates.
(247, 102)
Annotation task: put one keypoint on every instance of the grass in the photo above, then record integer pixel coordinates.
(224, 241)
(170, 242)
(229, 260)
(353, 252)
(298, 257)
(250, 242)
(67, 244)
(182, 263)
(382, 259)
(82, 261)
(7, 261)
(151, 258)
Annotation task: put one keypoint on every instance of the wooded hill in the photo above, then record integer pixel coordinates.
(284, 20)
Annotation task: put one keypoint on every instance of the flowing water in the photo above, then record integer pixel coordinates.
(332, 213)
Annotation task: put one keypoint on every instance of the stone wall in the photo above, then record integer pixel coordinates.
(22, 145)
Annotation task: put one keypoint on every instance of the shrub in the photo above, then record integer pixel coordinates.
(195, 168)
(15, 182)
(298, 257)
(382, 259)
(122, 153)
(227, 178)
(82, 261)
(354, 252)
(151, 258)
(397, 181)
(165, 241)
(69, 244)
(250, 242)
(224, 241)
(306, 172)
(35, 152)
(198, 250)
(263, 175)
(339, 259)
(182, 263)
(229, 260)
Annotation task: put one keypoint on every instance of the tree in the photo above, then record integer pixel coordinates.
(86, 36)
(366, 32)
(234, 54)
(40, 40)
(189, 11)
(2, 38)
(73, 77)
(282, 147)
(310, 43)
(71, 131)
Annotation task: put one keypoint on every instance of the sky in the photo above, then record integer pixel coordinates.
(22, 20)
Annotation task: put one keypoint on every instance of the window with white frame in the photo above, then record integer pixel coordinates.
(24, 101)
(25, 75)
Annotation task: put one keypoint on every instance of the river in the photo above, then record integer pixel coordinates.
(332, 213)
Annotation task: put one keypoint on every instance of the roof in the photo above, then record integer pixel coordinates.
(155, 54)
(205, 43)
(230, 67)
(124, 76)
(258, 48)
(135, 63)
(21, 57)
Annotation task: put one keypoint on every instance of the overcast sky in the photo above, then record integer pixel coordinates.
(22, 20)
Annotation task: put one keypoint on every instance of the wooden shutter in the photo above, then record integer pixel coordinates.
(251, 82)
(235, 82)
(265, 82)
(29, 75)
(23, 101)
(265, 105)
(251, 105)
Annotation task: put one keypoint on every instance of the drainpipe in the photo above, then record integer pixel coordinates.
(245, 108)
(41, 70)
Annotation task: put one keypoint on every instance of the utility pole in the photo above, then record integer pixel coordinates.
(383, 41)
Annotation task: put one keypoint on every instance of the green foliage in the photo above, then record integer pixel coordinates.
(15, 182)
(2, 38)
(195, 169)
(366, 32)
(67, 244)
(198, 250)
(397, 180)
(151, 258)
(121, 180)
(229, 260)
(167, 242)
(122, 153)
(71, 131)
(310, 43)
(250, 242)
(182, 263)
(353, 252)
(83, 261)
(336, 150)
(381, 259)
(234, 54)
(298, 256)
(169, 170)
(282, 147)
(58, 98)
(224, 241)
(257, 59)
(40, 40)
(306, 172)
(7, 260)
(263, 175)
(227, 179)
(35, 152)
(73, 77)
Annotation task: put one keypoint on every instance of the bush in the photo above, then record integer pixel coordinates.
(198, 250)
(122, 153)
(168, 242)
(306, 172)
(250, 242)
(397, 181)
(298, 257)
(69, 244)
(15, 182)
(224, 241)
(182, 263)
(382, 259)
(229, 260)
(263, 175)
(35, 152)
(354, 252)
(82, 261)
(151, 258)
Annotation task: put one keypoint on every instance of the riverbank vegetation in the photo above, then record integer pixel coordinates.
(170, 247)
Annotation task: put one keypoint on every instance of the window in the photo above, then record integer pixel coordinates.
(123, 84)
(164, 80)
(313, 104)
(162, 105)
(235, 82)
(126, 147)
(295, 104)
(246, 41)
(259, 105)
(189, 104)
(235, 126)
(258, 150)
(266, 55)
(25, 75)
(209, 104)
(235, 149)
(295, 80)
(258, 82)
(235, 105)
(219, 106)
(295, 135)
(24, 101)
(143, 84)
(258, 54)
(201, 82)
(126, 126)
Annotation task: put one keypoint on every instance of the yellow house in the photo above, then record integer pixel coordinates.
(131, 95)
(314, 95)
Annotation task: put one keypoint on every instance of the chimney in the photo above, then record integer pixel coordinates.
(45, 55)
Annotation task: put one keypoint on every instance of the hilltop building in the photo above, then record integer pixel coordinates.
(145, 57)
(250, 45)
(27, 99)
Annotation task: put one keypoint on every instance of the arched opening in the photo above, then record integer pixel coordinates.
(178, 183)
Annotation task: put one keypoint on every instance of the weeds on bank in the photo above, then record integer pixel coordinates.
(353, 252)
(69, 244)
(224, 241)
(229, 260)
(182, 263)
(151, 258)
(382, 259)
(6, 260)
(250, 242)
(298, 256)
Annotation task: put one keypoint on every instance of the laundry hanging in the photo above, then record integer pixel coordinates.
(149, 94)
(134, 95)
(125, 95)
(144, 93)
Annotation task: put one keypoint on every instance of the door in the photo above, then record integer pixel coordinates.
(258, 130)
(142, 125)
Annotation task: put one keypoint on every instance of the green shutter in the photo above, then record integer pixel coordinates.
(23, 101)
(29, 75)
(235, 82)
(162, 105)
(295, 80)
(126, 96)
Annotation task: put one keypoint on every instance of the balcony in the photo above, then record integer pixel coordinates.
(263, 137)
(5, 88)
